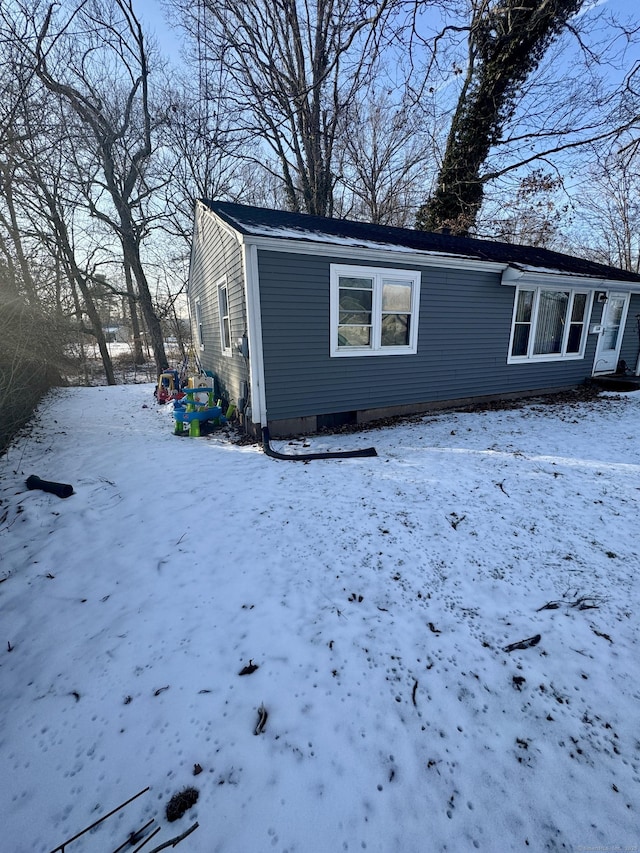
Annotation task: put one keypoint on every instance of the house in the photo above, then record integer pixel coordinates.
(309, 322)
(117, 333)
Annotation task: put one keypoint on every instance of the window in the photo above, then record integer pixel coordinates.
(225, 323)
(548, 324)
(374, 311)
(200, 333)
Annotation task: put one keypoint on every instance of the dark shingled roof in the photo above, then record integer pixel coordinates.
(264, 222)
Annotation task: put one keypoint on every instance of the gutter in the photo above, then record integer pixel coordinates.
(514, 275)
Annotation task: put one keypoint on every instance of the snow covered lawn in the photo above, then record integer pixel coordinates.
(377, 598)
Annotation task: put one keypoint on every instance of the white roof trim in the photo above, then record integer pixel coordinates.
(371, 252)
(534, 276)
(220, 221)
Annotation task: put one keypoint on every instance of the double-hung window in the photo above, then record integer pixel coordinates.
(374, 311)
(549, 323)
(199, 328)
(225, 321)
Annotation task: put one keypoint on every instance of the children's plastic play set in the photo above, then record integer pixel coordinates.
(195, 409)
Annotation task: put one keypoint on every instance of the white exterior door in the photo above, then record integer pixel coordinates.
(614, 315)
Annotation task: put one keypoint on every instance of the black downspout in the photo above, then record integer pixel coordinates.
(304, 457)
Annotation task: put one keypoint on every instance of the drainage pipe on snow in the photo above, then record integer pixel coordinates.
(303, 457)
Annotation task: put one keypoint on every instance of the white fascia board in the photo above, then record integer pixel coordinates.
(254, 333)
(194, 240)
(516, 276)
(396, 255)
(202, 209)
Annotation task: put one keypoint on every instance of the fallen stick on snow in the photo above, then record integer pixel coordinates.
(173, 841)
(523, 644)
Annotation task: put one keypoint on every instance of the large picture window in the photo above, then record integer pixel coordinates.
(548, 324)
(374, 311)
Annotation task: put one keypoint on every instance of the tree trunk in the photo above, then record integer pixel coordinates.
(68, 259)
(455, 204)
(507, 40)
(154, 329)
(98, 332)
(138, 354)
(16, 237)
(79, 282)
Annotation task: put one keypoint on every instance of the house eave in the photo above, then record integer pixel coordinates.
(297, 240)
(356, 251)
(516, 275)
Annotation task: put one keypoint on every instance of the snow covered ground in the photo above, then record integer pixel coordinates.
(377, 598)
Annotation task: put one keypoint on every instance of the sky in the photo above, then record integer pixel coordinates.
(154, 20)
(445, 637)
(152, 14)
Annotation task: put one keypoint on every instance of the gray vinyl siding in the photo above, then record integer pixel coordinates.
(463, 341)
(216, 254)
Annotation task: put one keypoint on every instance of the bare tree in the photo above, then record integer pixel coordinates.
(40, 213)
(537, 213)
(291, 69)
(31, 339)
(200, 153)
(55, 212)
(19, 271)
(609, 204)
(384, 154)
(101, 72)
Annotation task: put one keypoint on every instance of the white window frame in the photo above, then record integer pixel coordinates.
(563, 355)
(199, 328)
(223, 287)
(377, 274)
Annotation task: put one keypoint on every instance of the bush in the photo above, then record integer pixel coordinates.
(180, 803)
(30, 352)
